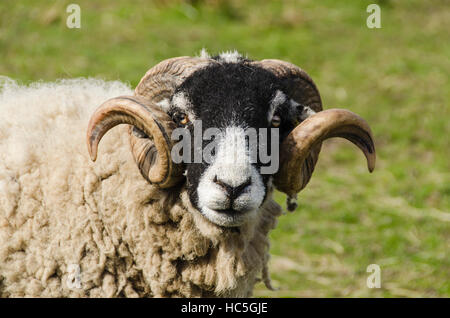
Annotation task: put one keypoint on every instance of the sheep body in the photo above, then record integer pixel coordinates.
(128, 238)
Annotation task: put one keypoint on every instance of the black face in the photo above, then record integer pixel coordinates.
(228, 95)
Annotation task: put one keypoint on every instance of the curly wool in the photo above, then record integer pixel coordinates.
(58, 209)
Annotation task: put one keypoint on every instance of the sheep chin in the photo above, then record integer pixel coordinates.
(226, 219)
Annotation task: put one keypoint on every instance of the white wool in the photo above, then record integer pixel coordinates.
(182, 101)
(204, 54)
(276, 101)
(230, 56)
(22, 131)
(164, 104)
(59, 211)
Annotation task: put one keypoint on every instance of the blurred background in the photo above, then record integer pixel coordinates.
(396, 77)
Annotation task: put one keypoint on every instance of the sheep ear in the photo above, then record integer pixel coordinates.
(299, 112)
(149, 136)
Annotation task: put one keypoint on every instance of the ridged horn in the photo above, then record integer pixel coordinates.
(162, 79)
(152, 128)
(301, 88)
(300, 150)
(298, 84)
(159, 83)
(153, 160)
(295, 166)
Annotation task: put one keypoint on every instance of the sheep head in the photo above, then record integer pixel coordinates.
(231, 94)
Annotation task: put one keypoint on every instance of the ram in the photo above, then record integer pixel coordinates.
(135, 222)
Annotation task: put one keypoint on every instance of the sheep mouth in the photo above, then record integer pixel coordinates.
(232, 211)
(228, 217)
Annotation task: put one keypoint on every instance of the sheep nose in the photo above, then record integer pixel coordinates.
(232, 192)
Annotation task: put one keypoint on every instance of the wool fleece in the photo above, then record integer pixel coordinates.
(124, 237)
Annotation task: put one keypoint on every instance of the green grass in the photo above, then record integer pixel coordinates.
(396, 77)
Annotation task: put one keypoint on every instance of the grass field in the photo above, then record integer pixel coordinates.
(396, 77)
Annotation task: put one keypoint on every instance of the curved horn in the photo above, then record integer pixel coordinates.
(153, 158)
(159, 83)
(150, 137)
(162, 79)
(300, 150)
(298, 84)
(296, 163)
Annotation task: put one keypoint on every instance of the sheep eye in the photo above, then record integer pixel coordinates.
(276, 121)
(184, 120)
(181, 118)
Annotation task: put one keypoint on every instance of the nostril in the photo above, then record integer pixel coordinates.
(240, 188)
(232, 192)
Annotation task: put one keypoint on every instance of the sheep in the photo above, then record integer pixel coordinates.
(135, 223)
